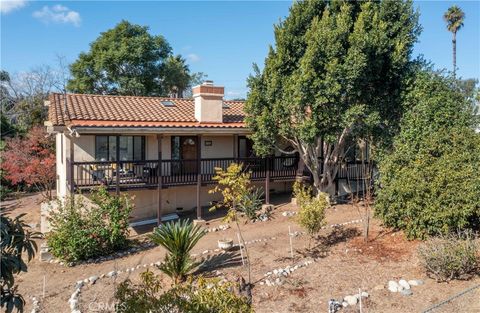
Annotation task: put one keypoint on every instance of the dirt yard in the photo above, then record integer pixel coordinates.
(343, 265)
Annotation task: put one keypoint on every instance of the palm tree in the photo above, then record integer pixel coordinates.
(454, 18)
(178, 238)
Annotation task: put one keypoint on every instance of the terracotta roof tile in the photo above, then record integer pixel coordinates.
(131, 111)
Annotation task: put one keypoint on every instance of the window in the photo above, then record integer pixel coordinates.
(131, 148)
(167, 103)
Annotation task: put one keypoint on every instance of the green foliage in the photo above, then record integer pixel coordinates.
(251, 203)
(429, 183)
(302, 193)
(178, 238)
(311, 215)
(337, 69)
(235, 186)
(202, 296)
(81, 231)
(16, 241)
(454, 18)
(451, 256)
(128, 60)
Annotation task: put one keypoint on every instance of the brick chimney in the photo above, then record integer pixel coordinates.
(208, 102)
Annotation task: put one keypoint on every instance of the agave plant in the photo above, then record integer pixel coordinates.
(178, 238)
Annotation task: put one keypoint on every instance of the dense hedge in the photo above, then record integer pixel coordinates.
(430, 182)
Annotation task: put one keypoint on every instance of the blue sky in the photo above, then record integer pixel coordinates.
(221, 39)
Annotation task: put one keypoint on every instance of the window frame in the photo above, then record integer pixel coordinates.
(111, 158)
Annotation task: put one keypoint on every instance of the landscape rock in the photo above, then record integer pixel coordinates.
(415, 282)
(351, 300)
(406, 292)
(379, 287)
(404, 284)
(112, 274)
(93, 279)
(393, 286)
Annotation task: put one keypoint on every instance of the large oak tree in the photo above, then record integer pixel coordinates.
(336, 71)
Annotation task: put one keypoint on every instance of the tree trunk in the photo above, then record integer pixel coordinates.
(454, 46)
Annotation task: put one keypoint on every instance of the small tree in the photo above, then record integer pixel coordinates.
(15, 241)
(31, 160)
(178, 238)
(311, 215)
(234, 184)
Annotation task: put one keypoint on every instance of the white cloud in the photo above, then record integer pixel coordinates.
(192, 57)
(7, 6)
(58, 14)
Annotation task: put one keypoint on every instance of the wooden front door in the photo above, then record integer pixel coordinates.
(188, 153)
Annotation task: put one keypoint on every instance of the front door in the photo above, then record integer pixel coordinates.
(184, 149)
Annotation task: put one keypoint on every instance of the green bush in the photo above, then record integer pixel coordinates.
(450, 256)
(250, 203)
(80, 232)
(302, 193)
(178, 238)
(430, 182)
(201, 296)
(311, 215)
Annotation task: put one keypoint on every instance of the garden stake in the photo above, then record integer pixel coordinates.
(241, 250)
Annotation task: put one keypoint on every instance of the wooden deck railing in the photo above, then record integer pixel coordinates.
(146, 174)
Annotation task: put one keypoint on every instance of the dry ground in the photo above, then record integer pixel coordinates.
(345, 265)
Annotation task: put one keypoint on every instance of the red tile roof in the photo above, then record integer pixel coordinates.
(132, 111)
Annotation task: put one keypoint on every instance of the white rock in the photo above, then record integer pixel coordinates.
(73, 304)
(393, 286)
(275, 272)
(86, 281)
(404, 284)
(365, 294)
(400, 288)
(406, 292)
(351, 300)
(93, 279)
(112, 274)
(415, 282)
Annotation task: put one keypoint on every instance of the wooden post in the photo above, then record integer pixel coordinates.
(160, 180)
(235, 148)
(199, 176)
(71, 169)
(267, 180)
(117, 169)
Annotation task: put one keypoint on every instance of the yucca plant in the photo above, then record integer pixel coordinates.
(178, 238)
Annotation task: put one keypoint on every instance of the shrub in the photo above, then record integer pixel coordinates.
(17, 248)
(251, 203)
(178, 238)
(311, 215)
(450, 256)
(80, 232)
(302, 193)
(429, 182)
(202, 296)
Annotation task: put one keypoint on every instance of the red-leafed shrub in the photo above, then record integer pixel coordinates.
(30, 160)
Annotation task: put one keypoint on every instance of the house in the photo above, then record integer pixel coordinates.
(162, 151)
(128, 143)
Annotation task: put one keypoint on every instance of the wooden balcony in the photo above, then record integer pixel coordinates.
(125, 175)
